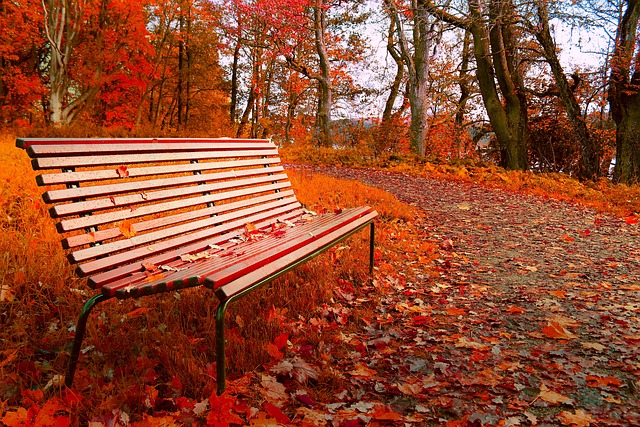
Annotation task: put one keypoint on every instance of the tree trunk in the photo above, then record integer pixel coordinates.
(463, 83)
(323, 115)
(624, 96)
(589, 155)
(234, 82)
(417, 64)
(62, 27)
(495, 49)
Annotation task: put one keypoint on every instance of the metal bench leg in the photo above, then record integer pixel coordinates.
(221, 359)
(79, 335)
(371, 249)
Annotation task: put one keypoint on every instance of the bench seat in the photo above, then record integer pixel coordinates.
(146, 216)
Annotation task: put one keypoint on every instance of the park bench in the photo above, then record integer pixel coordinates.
(146, 216)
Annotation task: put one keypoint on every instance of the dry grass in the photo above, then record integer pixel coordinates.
(162, 344)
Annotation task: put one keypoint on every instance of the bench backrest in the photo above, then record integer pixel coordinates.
(121, 201)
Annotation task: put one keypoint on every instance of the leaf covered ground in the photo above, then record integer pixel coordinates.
(489, 308)
(529, 313)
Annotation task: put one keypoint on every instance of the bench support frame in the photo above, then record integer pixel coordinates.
(221, 360)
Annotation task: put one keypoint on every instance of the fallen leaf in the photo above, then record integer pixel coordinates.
(272, 390)
(556, 331)
(631, 220)
(464, 343)
(578, 419)
(553, 397)
(122, 171)
(154, 277)
(149, 266)
(558, 294)
(600, 382)
(593, 346)
(126, 228)
(363, 371)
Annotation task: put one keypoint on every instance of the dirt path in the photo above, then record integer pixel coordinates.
(533, 317)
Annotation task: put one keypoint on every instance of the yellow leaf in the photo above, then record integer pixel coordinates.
(126, 228)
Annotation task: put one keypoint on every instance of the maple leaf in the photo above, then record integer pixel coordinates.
(631, 220)
(555, 330)
(600, 382)
(363, 371)
(122, 171)
(276, 413)
(263, 421)
(16, 418)
(221, 414)
(578, 419)
(149, 266)
(250, 228)
(126, 228)
(553, 397)
(273, 390)
(274, 351)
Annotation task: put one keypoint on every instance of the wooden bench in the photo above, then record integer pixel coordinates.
(145, 216)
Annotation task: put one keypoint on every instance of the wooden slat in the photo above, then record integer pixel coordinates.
(63, 150)
(123, 270)
(27, 142)
(112, 233)
(281, 263)
(108, 174)
(94, 266)
(128, 159)
(55, 196)
(151, 237)
(127, 200)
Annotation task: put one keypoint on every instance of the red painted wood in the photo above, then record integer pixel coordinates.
(142, 226)
(114, 232)
(131, 159)
(123, 270)
(235, 253)
(269, 269)
(92, 206)
(132, 254)
(152, 237)
(128, 186)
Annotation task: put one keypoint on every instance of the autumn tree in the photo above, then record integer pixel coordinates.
(186, 89)
(493, 26)
(20, 51)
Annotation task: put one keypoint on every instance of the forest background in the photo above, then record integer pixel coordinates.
(438, 80)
